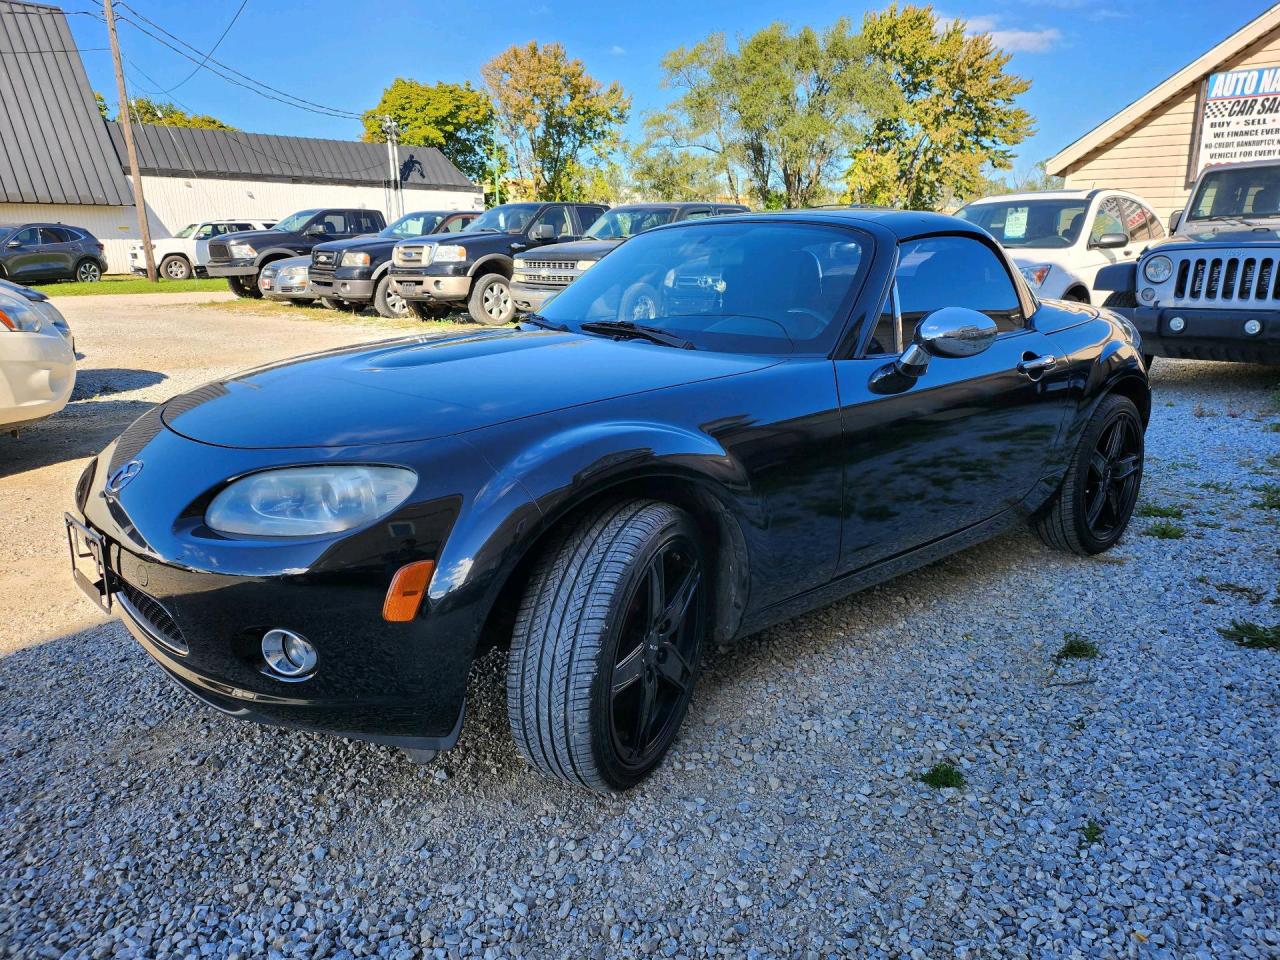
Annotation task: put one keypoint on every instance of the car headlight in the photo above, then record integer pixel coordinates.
(1035, 274)
(586, 264)
(308, 501)
(19, 317)
(353, 259)
(1158, 269)
(241, 251)
(445, 253)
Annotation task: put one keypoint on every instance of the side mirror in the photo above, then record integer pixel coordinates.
(953, 332)
(14, 244)
(315, 230)
(1109, 241)
(543, 231)
(1175, 221)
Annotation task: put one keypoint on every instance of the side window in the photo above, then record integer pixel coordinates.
(54, 235)
(1108, 219)
(1135, 220)
(588, 215)
(368, 223)
(208, 230)
(1154, 224)
(335, 223)
(886, 338)
(558, 217)
(29, 237)
(939, 272)
(457, 224)
(698, 214)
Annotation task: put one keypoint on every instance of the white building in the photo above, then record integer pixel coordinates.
(61, 163)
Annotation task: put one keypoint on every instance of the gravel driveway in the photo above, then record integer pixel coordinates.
(1121, 805)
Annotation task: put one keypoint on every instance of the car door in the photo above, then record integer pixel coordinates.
(558, 218)
(24, 259)
(1108, 217)
(969, 438)
(60, 251)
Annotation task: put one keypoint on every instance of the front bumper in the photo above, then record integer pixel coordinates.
(1208, 334)
(232, 268)
(37, 375)
(531, 298)
(344, 288)
(422, 285)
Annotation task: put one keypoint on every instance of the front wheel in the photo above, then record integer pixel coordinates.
(246, 288)
(427, 309)
(1092, 508)
(387, 302)
(606, 646)
(490, 302)
(333, 303)
(174, 267)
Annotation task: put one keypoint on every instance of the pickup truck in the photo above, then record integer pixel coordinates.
(186, 253)
(540, 275)
(1211, 291)
(433, 274)
(353, 272)
(241, 256)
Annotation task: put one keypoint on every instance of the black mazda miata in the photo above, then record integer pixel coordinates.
(722, 424)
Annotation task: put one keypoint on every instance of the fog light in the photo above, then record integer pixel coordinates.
(1148, 295)
(1177, 324)
(1253, 327)
(288, 654)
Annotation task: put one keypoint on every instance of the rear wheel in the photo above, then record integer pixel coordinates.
(427, 310)
(333, 303)
(606, 646)
(88, 271)
(1076, 296)
(245, 287)
(386, 301)
(1093, 506)
(490, 302)
(175, 267)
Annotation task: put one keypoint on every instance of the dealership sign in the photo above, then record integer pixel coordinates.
(1240, 117)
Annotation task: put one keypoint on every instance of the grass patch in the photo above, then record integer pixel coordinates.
(1240, 590)
(1076, 647)
(122, 284)
(1090, 833)
(942, 775)
(1270, 499)
(1273, 461)
(1165, 531)
(1273, 427)
(1160, 510)
(1246, 633)
(1217, 486)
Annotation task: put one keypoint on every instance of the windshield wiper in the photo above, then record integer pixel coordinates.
(538, 320)
(625, 328)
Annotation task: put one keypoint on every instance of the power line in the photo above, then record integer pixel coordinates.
(218, 43)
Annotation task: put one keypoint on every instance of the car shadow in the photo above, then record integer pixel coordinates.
(100, 382)
(80, 430)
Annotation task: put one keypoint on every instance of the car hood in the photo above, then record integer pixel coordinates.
(423, 388)
(1223, 233)
(368, 242)
(574, 250)
(251, 236)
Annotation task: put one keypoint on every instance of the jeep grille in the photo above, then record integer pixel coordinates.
(1227, 279)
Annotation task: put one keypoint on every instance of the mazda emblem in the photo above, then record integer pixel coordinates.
(120, 478)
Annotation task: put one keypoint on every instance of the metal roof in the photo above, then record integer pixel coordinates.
(191, 152)
(53, 146)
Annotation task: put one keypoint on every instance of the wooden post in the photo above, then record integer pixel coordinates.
(126, 122)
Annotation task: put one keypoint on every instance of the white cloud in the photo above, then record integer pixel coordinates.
(1026, 41)
(618, 51)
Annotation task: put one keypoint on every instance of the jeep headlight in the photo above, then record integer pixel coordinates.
(241, 251)
(447, 253)
(1158, 269)
(308, 501)
(586, 264)
(353, 259)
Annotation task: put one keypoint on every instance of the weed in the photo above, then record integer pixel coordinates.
(1160, 510)
(1270, 496)
(1076, 647)
(1248, 634)
(1165, 531)
(1240, 590)
(1090, 833)
(942, 775)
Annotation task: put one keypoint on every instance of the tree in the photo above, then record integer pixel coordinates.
(1025, 181)
(955, 117)
(456, 119)
(102, 104)
(555, 118)
(145, 110)
(660, 172)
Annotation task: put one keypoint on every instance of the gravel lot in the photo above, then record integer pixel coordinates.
(1118, 806)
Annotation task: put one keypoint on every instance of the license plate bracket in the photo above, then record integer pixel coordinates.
(90, 564)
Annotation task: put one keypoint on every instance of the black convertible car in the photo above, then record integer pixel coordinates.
(819, 401)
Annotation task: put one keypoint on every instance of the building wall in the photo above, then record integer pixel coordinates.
(174, 202)
(1152, 158)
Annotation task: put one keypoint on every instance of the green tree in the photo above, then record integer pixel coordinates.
(456, 119)
(555, 119)
(955, 116)
(660, 172)
(145, 110)
(102, 104)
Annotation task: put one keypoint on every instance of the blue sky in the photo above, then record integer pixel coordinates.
(1085, 58)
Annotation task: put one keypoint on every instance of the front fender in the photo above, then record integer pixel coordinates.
(500, 260)
(274, 253)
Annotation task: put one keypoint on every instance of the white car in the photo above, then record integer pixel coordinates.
(1060, 239)
(187, 251)
(37, 357)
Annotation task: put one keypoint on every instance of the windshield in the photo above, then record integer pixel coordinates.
(1041, 224)
(1243, 192)
(186, 231)
(744, 287)
(508, 218)
(295, 221)
(412, 225)
(623, 222)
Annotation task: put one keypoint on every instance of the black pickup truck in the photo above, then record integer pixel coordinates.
(240, 256)
(436, 273)
(354, 271)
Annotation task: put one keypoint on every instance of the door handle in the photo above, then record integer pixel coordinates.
(1034, 366)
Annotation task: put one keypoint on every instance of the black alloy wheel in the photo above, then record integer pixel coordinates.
(1115, 467)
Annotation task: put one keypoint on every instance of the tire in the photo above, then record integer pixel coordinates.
(175, 267)
(1065, 523)
(246, 288)
(333, 303)
(426, 310)
(490, 302)
(1076, 296)
(639, 304)
(587, 653)
(1121, 298)
(301, 302)
(387, 303)
(88, 271)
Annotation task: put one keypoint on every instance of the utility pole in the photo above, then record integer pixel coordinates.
(135, 174)
(391, 130)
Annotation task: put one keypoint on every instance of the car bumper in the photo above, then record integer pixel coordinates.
(424, 286)
(1208, 334)
(343, 289)
(232, 268)
(37, 375)
(532, 298)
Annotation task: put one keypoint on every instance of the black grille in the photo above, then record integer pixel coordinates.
(1227, 278)
(218, 251)
(155, 618)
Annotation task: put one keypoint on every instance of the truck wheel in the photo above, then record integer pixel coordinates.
(245, 287)
(639, 304)
(175, 267)
(386, 301)
(606, 644)
(333, 303)
(426, 310)
(490, 302)
(1092, 508)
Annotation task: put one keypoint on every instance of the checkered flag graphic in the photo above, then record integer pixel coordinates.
(1216, 109)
